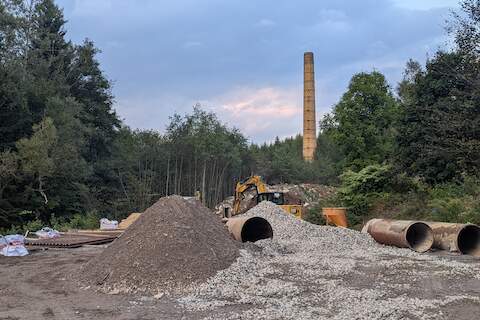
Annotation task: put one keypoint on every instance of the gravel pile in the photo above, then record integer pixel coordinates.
(173, 245)
(318, 272)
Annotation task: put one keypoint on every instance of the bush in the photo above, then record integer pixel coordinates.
(314, 214)
(456, 201)
(30, 226)
(90, 220)
(447, 210)
(361, 190)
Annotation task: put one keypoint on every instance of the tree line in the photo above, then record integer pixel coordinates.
(65, 154)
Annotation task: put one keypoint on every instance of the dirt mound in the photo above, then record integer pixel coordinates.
(307, 193)
(174, 244)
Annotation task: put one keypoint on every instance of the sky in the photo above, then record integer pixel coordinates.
(243, 59)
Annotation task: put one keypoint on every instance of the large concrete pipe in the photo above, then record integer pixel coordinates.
(249, 228)
(464, 238)
(417, 236)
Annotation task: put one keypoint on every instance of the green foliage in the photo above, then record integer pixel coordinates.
(8, 169)
(363, 123)
(31, 226)
(360, 189)
(456, 201)
(57, 117)
(374, 188)
(90, 220)
(314, 214)
(447, 210)
(36, 152)
(282, 161)
(447, 202)
(64, 153)
(465, 27)
(438, 134)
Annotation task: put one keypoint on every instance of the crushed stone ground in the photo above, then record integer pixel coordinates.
(318, 272)
(174, 244)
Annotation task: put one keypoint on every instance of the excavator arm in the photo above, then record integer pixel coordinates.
(262, 194)
(245, 185)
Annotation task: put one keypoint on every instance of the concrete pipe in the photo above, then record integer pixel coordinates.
(249, 228)
(464, 238)
(417, 236)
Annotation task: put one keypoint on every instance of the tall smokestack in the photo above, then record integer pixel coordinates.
(309, 124)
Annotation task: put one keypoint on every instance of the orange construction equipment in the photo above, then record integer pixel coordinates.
(336, 216)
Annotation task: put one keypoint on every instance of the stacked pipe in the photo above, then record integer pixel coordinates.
(422, 236)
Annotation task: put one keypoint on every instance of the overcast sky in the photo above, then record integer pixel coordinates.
(243, 59)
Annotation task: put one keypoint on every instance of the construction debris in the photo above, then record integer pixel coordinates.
(174, 244)
(72, 240)
(13, 246)
(47, 233)
(306, 194)
(106, 224)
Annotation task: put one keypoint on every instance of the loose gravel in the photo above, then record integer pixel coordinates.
(320, 272)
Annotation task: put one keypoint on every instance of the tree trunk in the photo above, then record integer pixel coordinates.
(180, 174)
(203, 181)
(168, 176)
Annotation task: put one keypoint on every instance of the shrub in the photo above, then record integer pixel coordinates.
(360, 190)
(90, 220)
(447, 210)
(314, 213)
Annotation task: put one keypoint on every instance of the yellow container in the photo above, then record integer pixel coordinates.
(336, 216)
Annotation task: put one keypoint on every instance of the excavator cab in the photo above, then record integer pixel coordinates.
(279, 199)
(275, 197)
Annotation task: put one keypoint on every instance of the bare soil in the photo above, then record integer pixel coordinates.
(37, 287)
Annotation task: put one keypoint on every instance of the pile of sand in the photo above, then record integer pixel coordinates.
(174, 244)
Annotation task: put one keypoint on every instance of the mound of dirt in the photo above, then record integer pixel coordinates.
(173, 245)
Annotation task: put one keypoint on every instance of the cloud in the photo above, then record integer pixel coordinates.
(265, 23)
(261, 113)
(192, 44)
(244, 58)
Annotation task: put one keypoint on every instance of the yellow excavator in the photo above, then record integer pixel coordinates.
(256, 182)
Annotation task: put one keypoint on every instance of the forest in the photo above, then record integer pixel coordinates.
(409, 150)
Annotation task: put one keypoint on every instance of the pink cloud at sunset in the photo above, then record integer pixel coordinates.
(263, 113)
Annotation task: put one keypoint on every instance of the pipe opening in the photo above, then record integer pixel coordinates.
(256, 228)
(419, 237)
(468, 241)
